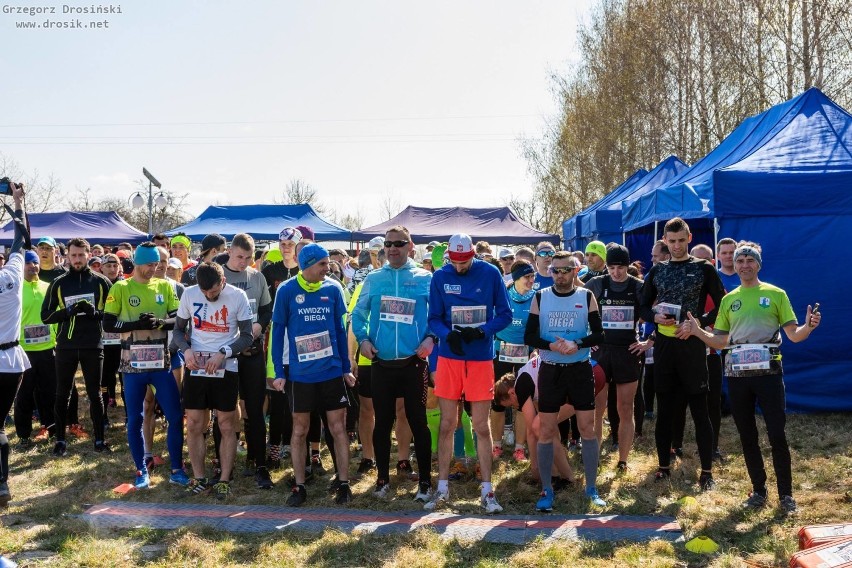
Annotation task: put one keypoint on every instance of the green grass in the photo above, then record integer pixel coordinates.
(49, 493)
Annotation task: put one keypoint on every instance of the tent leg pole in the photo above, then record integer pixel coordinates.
(656, 231)
(715, 235)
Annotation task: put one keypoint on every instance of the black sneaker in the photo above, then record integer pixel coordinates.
(366, 465)
(196, 486)
(621, 467)
(662, 474)
(5, 494)
(755, 501)
(222, 490)
(60, 450)
(102, 447)
(677, 453)
(25, 444)
(344, 494)
(316, 465)
(706, 482)
(718, 457)
(261, 477)
(788, 505)
(298, 496)
(334, 484)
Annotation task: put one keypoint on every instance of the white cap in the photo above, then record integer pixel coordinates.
(504, 252)
(175, 263)
(376, 243)
(460, 248)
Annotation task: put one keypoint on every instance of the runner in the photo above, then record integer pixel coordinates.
(564, 323)
(748, 327)
(75, 302)
(468, 305)
(286, 268)
(211, 245)
(595, 261)
(142, 309)
(221, 328)
(617, 294)
(309, 308)
(391, 327)
(544, 252)
(506, 258)
(671, 290)
(49, 269)
(180, 248)
(727, 272)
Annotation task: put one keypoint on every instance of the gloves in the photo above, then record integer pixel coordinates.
(454, 340)
(84, 307)
(148, 321)
(470, 333)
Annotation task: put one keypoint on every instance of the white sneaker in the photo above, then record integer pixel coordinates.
(509, 438)
(490, 504)
(439, 499)
(382, 491)
(424, 493)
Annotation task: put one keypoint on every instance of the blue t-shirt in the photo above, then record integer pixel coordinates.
(729, 282)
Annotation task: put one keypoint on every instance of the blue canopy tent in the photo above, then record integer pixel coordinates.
(263, 222)
(575, 232)
(783, 179)
(102, 227)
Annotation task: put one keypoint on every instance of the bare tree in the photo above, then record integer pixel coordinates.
(164, 218)
(352, 221)
(298, 191)
(390, 205)
(42, 192)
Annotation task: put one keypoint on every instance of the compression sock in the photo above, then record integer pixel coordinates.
(590, 462)
(458, 443)
(4, 457)
(545, 464)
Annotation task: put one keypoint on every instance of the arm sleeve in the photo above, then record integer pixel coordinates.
(264, 315)
(179, 336)
(531, 332)
(596, 336)
(52, 310)
(436, 312)
(245, 339)
(277, 349)
(22, 234)
(113, 325)
(340, 330)
(647, 297)
(716, 291)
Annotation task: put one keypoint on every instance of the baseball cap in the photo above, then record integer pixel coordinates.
(617, 255)
(307, 232)
(212, 241)
(110, 258)
(598, 248)
(460, 248)
(30, 256)
(47, 241)
(290, 234)
(95, 260)
(122, 254)
(175, 263)
(505, 253)
(432, 244)
(311, 254)
(376, 243)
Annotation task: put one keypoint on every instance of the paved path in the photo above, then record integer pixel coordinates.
(515, 529)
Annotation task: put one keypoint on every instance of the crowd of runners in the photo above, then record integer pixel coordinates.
(259, 357)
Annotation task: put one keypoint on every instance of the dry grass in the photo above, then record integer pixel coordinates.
(49, 493)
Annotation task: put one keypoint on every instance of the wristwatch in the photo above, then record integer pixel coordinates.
(223, 351)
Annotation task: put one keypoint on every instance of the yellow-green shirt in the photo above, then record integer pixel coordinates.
(41, 336)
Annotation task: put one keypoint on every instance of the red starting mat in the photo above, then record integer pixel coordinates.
(836, 554)
(817, 535)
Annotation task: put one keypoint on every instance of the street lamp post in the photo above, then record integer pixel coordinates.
(139, 201)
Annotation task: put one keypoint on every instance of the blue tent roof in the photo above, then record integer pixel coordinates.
(103, 227)
(604, 221)
(797, 141)
(263, 222)
(574, 229)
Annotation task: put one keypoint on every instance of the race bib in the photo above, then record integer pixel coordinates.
(35, 334)
(313, 347)
(111, 338)
(468, 316)
(399, 310)
(649, 356)
(147, 356)
(617, 317)
(513, 353)
(668, 309)
(71, 300)
(253, 309)
(749, 357)
(202, 357)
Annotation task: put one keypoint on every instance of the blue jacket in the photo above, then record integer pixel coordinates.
(385, 323)
(315, 334)
(481, 286)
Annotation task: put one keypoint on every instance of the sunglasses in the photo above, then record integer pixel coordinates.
(545, 253)
(507, 259)
(397, 244)
(561, 270)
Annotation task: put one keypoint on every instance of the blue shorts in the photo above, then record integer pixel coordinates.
(177, 359)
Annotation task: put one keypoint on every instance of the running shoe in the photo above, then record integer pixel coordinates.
(403, 468)
(621, 467)
(285, 452)
(382, 490)
(60, 449)
(706, 482)
(142, 480)
(459, 472)
(102, 447)
(5, 494)
(496, 452)
(545, 501)
(316, 465)
(439, 499)
(519, 455)
(197, 486)
(575, 445)
(788, 505)
(77, 431)
(755, 501)
(718, 457)
(424, 492)
(366, 465)
(298, 496)
(490, 504)
(25, 444)
(592, 494)
(262, 479)
(334, 484)
(179, 477)
(153, 461)
(344, 494)
(222, 490)
(662, 474)
(42, 436)
(677, 453)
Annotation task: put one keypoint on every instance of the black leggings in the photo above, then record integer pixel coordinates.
(9, 383)
(112, 360)
(667, 405)
(280, 419)
(409, 382)
(252, 372)
(39, 384)
(714, 404)
(91, 362)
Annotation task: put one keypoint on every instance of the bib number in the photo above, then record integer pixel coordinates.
(468, 316)
(313, 347)
(201, 358)
(35, 334)
(147, 356)
(111, 338)
(649, 356)
(513, 353)
(399, 310)
(617, 317)
(750, 357)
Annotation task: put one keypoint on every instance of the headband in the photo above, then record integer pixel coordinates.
(750, 251)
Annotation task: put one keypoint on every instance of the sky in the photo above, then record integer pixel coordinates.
(417, 103)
